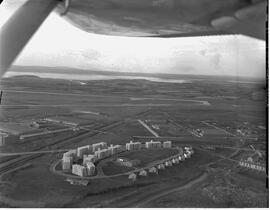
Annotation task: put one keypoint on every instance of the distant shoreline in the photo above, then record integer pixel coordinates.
(84, 75)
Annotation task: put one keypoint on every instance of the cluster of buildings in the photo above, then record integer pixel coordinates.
(249, 164)
(187, 152)
(148, 145)
(81, 161)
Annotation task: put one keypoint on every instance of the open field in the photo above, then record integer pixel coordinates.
(109, 111)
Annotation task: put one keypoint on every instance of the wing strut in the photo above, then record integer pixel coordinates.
(19, 29)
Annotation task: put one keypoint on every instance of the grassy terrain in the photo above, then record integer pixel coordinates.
(114, 101)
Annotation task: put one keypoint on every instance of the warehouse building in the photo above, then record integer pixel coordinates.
(79, 170)
(67, 163)
(167, 144)
(91, 168)
(133, 146)
(153, 144)
(97, 146)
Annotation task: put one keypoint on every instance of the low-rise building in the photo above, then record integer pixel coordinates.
(153, 144)
(79, 170)
(143, 173)
(153, 170)
(132, 176)
(168, 163)
(133, 146)
(175, 161)
(91, 168)
(161, 167)
(167, 144)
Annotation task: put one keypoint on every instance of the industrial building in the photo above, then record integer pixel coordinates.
(133, 146)
(67, 163)
(91, 168)
(62, 120)
(167, 144)
(97, 146)
(79, 170)
(153, 144)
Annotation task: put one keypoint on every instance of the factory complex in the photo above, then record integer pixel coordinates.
(83, 160)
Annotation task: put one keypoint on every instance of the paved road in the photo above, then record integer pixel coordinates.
(169, 191)
(148, 128)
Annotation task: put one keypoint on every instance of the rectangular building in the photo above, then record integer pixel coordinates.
(3, 139)
(85, 150)
(79, 170)
(133, 146)
(102, 153)
(70, 153)
(91, 168)
(167, 144)
(153, 144)
(115, 149)
(97, 146)
(67, 163)
(89, 158)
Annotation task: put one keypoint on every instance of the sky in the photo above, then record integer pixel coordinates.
(58, 43)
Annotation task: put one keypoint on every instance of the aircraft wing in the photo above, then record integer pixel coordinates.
(141, 18)
(169, 18)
